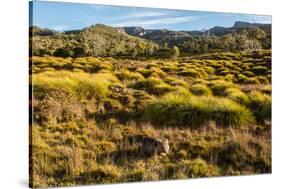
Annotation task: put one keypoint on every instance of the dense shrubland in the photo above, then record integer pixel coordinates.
(90, 114)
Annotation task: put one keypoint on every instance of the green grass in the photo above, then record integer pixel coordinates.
(199, 89)
(127, 75)
(219, 87)
(82, 84)
(153, 85)
(174, 109)
(237, 96)
(260, 104)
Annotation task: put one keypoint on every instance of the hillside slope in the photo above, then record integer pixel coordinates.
(97, 40)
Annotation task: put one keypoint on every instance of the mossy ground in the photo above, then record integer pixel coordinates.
(90, 114)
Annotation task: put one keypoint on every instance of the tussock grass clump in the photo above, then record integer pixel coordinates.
(176, 82)
(263, 80)
(247, 80)
(169, 68)
(104, 146)
(219, 87)
(190, 73)
(248, 74)
(267, 89)
(128, 75)
(237, 95)
(236, 155)
(174, 109)
(153, 85)
(259, 70)
(190, 169)
(260, 104)
(199, 89)
(84, 85)
(157, 72)
(92, 64)
(145, 72)
(102, 174)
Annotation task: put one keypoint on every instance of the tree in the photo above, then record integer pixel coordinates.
(175, 52)
(62, 52)
(79, 52)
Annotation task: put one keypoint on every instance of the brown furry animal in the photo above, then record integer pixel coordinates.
(152, 146)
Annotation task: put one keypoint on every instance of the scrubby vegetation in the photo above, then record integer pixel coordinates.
(90, 115)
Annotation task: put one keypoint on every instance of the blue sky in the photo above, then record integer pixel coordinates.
(68, 16)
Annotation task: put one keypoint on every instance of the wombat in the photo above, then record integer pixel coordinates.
(152, 146)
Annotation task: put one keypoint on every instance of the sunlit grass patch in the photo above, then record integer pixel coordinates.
(82, 84)
(237, 95)
(200, 89)
(153, 85)
(219, 87)
(174, 109)
(260, 104)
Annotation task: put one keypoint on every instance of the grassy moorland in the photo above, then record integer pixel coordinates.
(90, 114)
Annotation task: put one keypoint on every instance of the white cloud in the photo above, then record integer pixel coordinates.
(142, 15)
(157, 21)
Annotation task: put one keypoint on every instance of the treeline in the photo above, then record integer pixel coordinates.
(98, 40)
(105, 41)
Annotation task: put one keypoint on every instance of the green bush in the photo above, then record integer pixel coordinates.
(178, 110)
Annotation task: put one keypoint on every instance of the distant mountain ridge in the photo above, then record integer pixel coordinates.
(154, 34)
(216, 30)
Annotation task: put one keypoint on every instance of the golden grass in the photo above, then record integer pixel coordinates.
(90, 115)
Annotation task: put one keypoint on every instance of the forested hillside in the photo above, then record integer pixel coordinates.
(106, 41)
